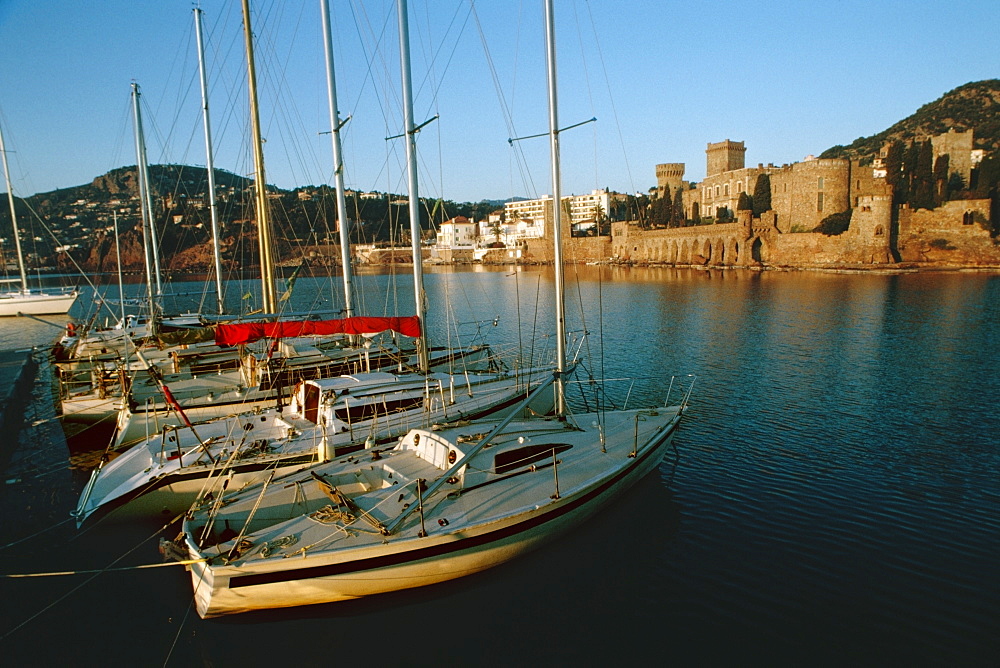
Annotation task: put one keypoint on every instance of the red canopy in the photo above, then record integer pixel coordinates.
(234, 335)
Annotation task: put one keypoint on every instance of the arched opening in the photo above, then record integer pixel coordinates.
(719, 252)
(757, 250)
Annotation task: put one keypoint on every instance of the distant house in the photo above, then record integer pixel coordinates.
(459, 232)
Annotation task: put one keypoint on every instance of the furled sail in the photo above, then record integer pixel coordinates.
(240, 333)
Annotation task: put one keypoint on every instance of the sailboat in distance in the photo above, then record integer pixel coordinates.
(441, 503)
(26, 301)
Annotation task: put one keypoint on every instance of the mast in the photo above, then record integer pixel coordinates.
(410, 133)
(550, 57)
(118, 257)
(13, 217)
(209, 163)
(270, 302)
(145, 205)
(338, 162)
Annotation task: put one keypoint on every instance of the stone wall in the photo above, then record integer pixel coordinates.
(575, 249)
(805, 193)
(956, 233)
(958, 146)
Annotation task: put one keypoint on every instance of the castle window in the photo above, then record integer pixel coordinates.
(879, 231)
(820, 183)
(967, 218)
(819, 202)
(716, 191)
(739, 186)
(725, 189)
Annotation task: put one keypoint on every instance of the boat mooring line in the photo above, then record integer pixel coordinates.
(37, 533)
(96, 571)
(92, 573)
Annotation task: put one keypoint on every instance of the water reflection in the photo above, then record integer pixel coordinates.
(834, 500)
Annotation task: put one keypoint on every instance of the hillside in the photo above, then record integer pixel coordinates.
(975, 105)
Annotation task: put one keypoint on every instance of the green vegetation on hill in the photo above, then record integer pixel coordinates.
(973, 106)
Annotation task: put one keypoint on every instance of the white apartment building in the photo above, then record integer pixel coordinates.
(529, 218)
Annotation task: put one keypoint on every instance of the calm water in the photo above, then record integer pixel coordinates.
(834, 499)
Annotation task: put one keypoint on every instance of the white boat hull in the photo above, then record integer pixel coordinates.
(36, 303)
(408, 560)
(120, 486)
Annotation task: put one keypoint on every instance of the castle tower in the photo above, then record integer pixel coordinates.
(725, 156)
(669, 175)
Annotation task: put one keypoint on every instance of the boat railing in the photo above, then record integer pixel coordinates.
(91, 376)
(618, 392)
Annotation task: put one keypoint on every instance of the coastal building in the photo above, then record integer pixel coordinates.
(530, 219)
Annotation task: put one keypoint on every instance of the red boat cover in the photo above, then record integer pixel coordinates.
(234, 335)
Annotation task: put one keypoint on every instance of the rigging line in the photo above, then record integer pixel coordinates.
(445, 39)
(93, 576)
(85, 276)
(590, 94)
(614, 109)
(600, 398)
(378, 39)
(180, 627)
(98, 571)
(519, 158)
(37, 533)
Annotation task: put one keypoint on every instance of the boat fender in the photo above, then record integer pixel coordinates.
(443, 522)
(452, 456)
(70, 329)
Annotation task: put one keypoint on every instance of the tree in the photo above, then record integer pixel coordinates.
(910, 159)
(941, 182)
(678, 215)
(744, 203)
(922, 178)
(894, 175)
(762, 195)
(695, 214)
(660, 214)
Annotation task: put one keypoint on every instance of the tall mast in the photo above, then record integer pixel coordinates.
(270, 302)
(209, 164)
(118, 258)
(145, 205)
(550, 57)
(338, 163)
(13, 217)
(410, 132)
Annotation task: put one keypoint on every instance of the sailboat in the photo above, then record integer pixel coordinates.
(439, 504)
(103, 383)
(27, 301)
(166, 472)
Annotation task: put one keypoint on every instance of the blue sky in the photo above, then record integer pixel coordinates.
(663, 79)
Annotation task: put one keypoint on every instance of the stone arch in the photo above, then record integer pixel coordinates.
(758, 249)
(733, 255)
(718, 252)
(685, 256)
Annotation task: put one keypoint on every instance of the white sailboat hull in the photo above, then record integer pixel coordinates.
(485, 528)
(174, 467)
(36, 303)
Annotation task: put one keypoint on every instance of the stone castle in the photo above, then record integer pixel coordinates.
(956, 233)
